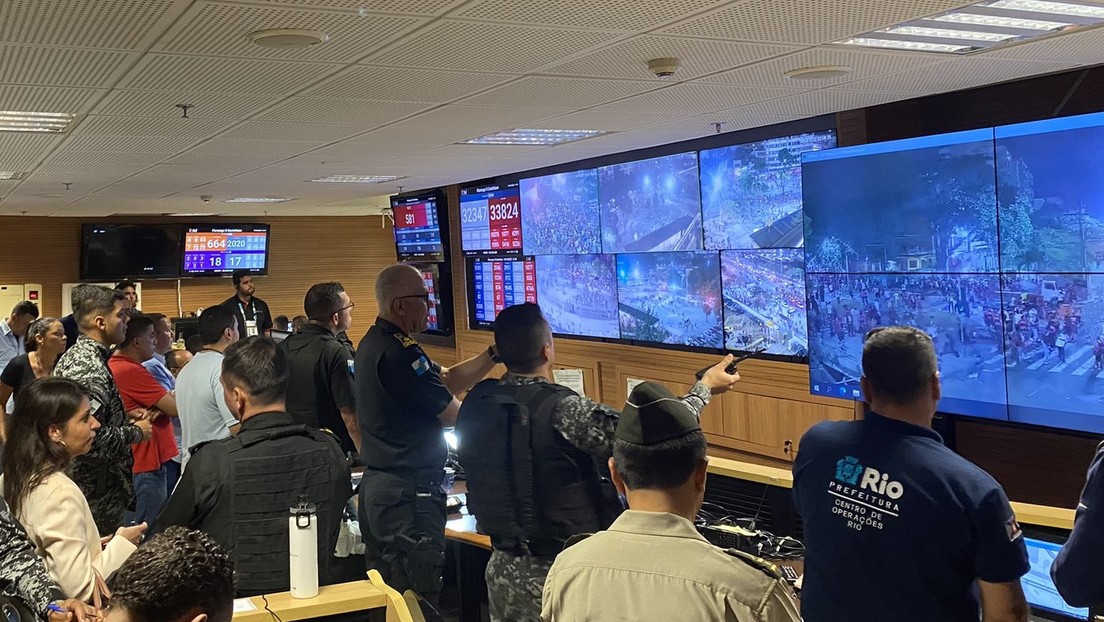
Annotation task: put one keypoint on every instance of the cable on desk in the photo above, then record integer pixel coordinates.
(276, 617)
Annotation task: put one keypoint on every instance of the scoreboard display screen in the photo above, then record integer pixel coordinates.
(219, 249)
(490, 220)
(418, 227)
(429, 277)
(498, 283)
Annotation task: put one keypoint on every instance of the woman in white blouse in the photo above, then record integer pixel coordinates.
(53, 424)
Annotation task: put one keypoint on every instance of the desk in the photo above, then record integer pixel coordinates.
(471, 551)
(331, 600)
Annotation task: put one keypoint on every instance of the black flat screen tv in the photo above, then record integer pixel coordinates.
(115, 252)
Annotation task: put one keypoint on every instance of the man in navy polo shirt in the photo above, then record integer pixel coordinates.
(897, 526)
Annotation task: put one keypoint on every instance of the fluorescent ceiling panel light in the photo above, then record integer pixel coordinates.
(946, 33)
(16, 121)
(914, 46)
(355, 179)
(1054, 8)
(525, 136)
(257, 200)
(194, 214)
(8, 175)
(972, 19)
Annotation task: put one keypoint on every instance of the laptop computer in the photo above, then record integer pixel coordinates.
(1046, 603)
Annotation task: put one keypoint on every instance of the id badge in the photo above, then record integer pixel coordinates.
(251, 328)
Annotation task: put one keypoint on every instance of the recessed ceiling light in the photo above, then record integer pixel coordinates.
(822, 72)
(287, 38)
(8, 175)
(257, 200)
(16, 121)
(525, 136)
(984, 25)
(355, 179)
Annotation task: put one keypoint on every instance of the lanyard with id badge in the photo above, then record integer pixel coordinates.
(250, 325)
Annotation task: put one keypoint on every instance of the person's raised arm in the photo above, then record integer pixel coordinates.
(1002, 602)
(463, 375)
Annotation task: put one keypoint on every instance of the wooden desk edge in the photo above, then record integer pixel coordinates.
(469, 537)
(331, 600)
(1043, 515)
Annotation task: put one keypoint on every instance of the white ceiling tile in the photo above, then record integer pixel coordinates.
(48, 99)
(483, 47)
(864, 64)
(165, 72)
(608, 14)
(359, 112)
(40, 66)
(415, 7)
(809, 22)
(227, 146)
(221, 29)
(698, 57)
(480, 152)
(291, 132)
(609, 120)
(19, 160)
(149, 126)
(360, 148)
(120, 24)
(401, 84)
(954, 74)
(85, 176)
(825, 101)
(131, 144)
(28, 141)
(457, 123)
(163, 104)
(697, 98)
(547, 92)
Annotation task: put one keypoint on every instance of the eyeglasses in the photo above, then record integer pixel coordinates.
(348, 306)
(428, 298)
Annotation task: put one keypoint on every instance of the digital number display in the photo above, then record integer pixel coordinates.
(490, 220)
(417, 228)
(225, 249)
(501, 283)
(432, 321)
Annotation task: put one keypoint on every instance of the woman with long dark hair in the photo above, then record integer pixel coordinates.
(44, 343)
(51, 425)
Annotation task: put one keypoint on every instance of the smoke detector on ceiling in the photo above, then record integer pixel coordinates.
(663, 67)
(820, 72)
(287, 38)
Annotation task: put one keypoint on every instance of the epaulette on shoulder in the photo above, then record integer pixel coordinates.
(197, 447)
(406, 340)
(758, 563)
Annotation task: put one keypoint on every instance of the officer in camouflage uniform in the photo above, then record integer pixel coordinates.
(23, 574)
(104, 473)
(569, 438)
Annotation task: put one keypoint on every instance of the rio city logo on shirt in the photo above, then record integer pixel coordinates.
(864, 496)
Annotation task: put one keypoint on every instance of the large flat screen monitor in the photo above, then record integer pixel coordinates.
(578, 294)
(222, 249)
(651, 205)
(559, 214)
(918, 205)
(115, 252)
(764, 301)
(419, 221)
(495, 283)
(961, 313)
(672, 298)
(751, 193)
(490, 219)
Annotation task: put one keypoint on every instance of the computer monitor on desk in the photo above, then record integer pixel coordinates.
(1046, 603)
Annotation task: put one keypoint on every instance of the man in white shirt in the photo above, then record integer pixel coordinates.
(13, 329)
(204, 415)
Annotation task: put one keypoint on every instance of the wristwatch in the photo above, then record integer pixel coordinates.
(494, 355)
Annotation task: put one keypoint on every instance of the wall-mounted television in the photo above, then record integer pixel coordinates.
(114, 252)
(764, 301)
(495, 283)
(559, 214)
(438, 282)
(421, 226)
(578, 294)
(651, 205)
(490, 219)
(673, 298)
(211, 250)
(751, 193)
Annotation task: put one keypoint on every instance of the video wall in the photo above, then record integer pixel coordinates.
(698, 249)
(991, 241)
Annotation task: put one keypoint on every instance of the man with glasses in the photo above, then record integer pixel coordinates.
(320, 382)
(898, 526)
(403, 400)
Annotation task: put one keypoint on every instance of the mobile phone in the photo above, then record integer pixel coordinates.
(731, 369)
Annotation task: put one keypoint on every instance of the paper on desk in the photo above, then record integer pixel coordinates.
(630, 384)
(570, 378)
(242, 605)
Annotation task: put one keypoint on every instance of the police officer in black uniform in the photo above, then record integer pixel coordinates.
(239, 490)
(320, 380)
(403, 401)
(535, 454)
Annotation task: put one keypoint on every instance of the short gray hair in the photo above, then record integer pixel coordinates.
(389, 280)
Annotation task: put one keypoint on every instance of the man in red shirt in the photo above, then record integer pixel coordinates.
(140, 390)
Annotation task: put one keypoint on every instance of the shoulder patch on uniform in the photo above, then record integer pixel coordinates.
(406, 340)
(421, 365)
(758, 563)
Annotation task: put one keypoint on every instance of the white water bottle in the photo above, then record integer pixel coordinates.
(303, 532)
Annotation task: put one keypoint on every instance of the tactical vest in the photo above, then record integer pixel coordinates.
(263, 488)
(529, 488)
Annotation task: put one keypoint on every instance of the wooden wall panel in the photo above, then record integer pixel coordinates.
(304, 251)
